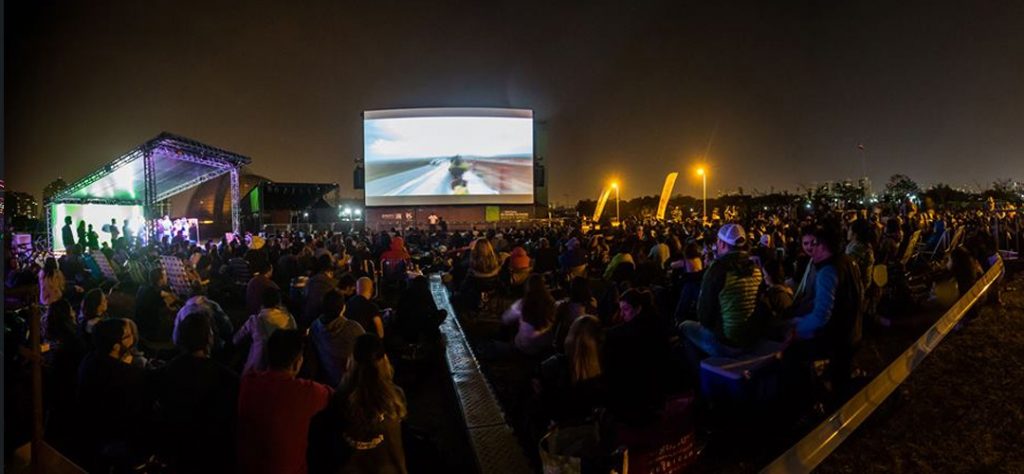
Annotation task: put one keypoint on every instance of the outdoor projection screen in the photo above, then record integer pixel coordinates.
(448, 156)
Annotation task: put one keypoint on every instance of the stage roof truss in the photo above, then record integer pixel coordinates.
(154, 171)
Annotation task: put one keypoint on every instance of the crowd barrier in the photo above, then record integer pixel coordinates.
(810, 451)
(494, 444)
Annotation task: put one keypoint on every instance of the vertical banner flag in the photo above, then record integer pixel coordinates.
(666, 193)
(600, 203)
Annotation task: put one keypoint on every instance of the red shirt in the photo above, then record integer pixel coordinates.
(274, 410)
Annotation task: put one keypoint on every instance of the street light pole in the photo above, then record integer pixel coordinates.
(618, 220)
(704, 178)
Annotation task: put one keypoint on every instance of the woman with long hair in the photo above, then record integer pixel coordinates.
(535, 315)
(481, 276)
(572, 385)
(51, 282)
(580, 302)
(363, 418)
(58, 323)
(582, 348)
(94, 309)
(64, 354)
(483, 261)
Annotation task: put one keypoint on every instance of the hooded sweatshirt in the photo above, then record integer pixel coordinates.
(258, 328)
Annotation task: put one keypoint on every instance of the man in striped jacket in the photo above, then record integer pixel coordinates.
(728, 299)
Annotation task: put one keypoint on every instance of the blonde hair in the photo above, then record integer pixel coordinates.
(582, 345)
(482, 259)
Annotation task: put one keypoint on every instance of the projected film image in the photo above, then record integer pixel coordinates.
(449, 156)
(97, 215)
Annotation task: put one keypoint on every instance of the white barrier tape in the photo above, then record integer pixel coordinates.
(810, 451)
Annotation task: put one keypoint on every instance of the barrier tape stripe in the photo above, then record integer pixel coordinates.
(810, 451)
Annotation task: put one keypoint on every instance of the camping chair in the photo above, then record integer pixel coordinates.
(911, 249)
(177, 276)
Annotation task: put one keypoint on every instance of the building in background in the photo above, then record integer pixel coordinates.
(54, 187)
(21, 205)
(20, 212)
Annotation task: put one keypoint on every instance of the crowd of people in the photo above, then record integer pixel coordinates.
(611, 327)
(279, 357)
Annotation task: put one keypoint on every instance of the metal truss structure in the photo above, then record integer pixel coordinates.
(171, 164)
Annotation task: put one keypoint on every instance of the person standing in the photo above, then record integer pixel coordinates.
(432, 220)
(83, 235)
(93, 239)
(67, 233)
(126, 231)
(114, 231)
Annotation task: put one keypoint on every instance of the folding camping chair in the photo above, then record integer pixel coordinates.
(177, 276)
(911, 249)
(105, 267)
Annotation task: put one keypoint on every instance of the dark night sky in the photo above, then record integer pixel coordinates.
(932, 90)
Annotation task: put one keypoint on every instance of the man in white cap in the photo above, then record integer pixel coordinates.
(728, 297)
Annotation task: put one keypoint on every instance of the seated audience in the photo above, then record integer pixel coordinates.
(197, 399)
(534, 314)
(275, 409)
(571, 381)
(259, 327)
(333, 336)
(360, 431)
(416, 317)
(155, 308)
(728, 299)
(64, 352)
(637, 360)
(94, 310)
(362, 309)
(260, 281)
(113, 401)
(318, 285)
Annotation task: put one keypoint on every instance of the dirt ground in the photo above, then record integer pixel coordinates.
(962, 410)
